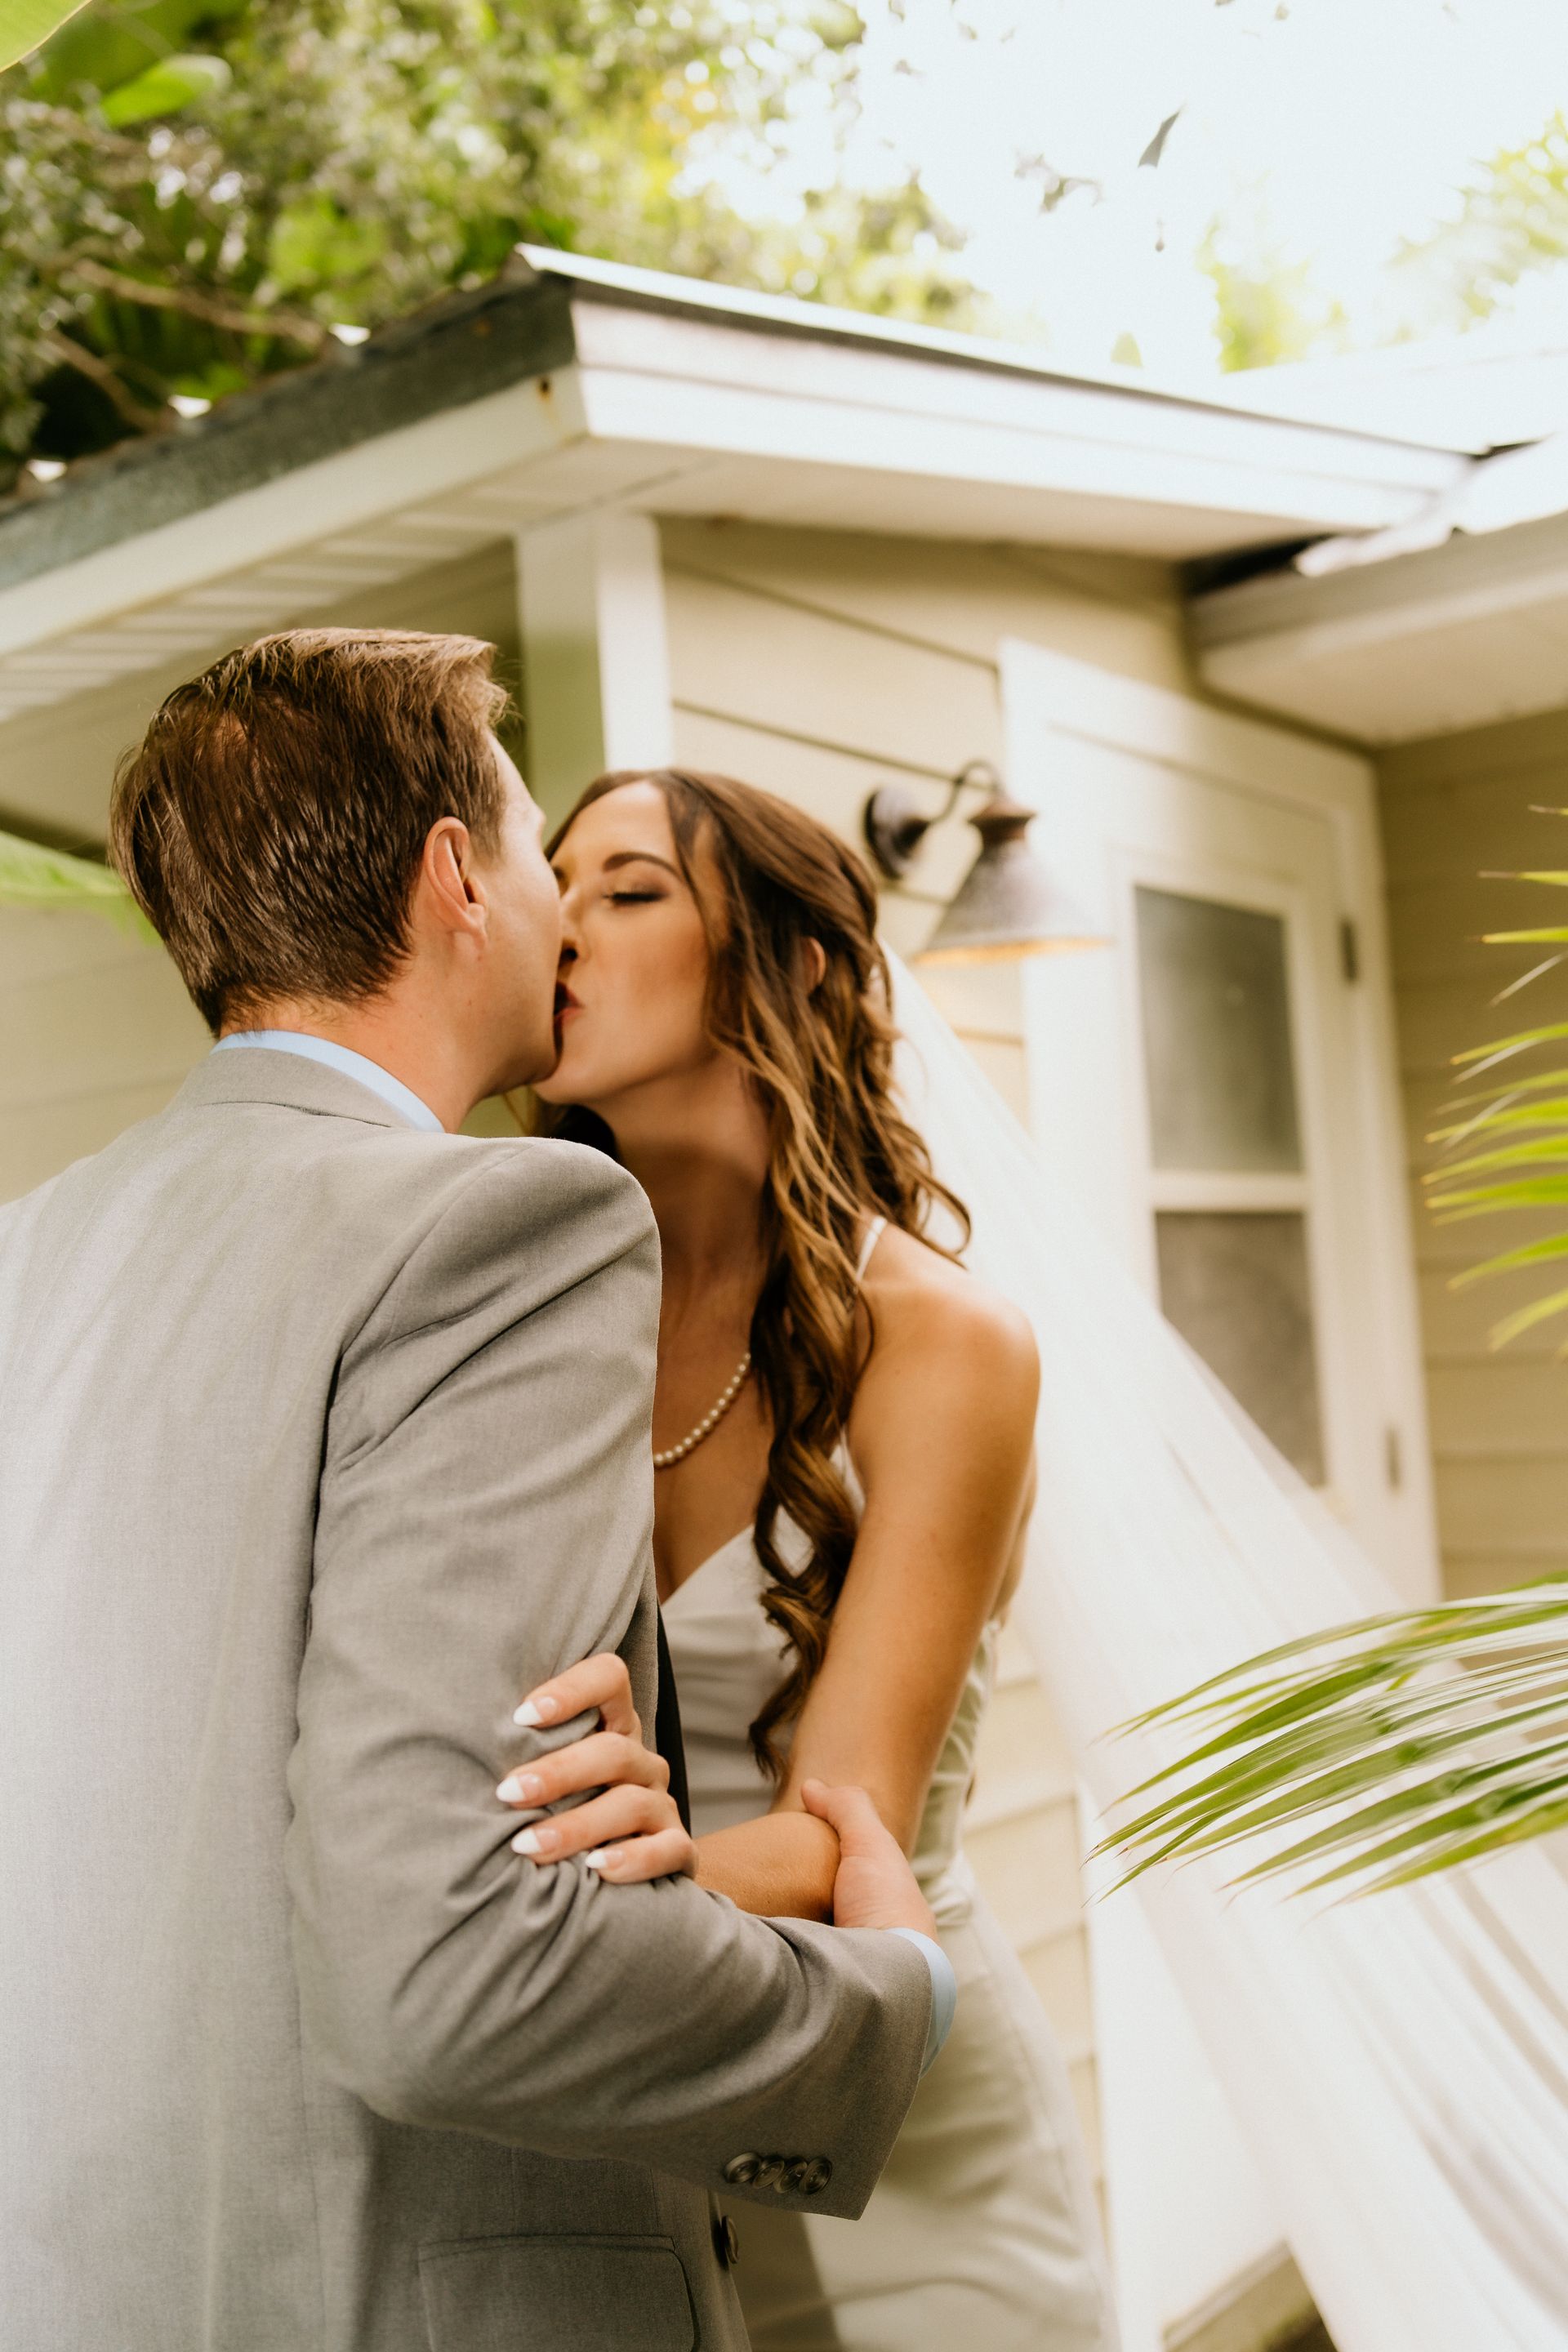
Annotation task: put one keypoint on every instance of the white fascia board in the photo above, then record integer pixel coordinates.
(351, 489)
(723, 389)
(825, 326)
(719, 420)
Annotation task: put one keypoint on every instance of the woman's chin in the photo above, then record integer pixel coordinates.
(562, 1089)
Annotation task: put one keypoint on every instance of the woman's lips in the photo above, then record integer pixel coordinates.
(565, 1004)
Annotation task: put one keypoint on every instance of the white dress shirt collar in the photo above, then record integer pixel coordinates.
(366, 1073)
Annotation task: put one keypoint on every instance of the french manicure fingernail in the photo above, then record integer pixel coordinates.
(529, 1842)
(603, 1857)
(510, 1789)
(534, 1711)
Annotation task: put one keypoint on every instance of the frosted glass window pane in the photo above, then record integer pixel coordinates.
(1217, 1034)
(1235, 1285)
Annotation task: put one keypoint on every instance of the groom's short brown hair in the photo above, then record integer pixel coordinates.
(271, 821)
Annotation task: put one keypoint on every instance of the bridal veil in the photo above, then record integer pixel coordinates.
(1399, 2066)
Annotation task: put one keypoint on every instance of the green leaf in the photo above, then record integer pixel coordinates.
(31, 875)
(1426, 1806)
(25, 26)
(1412, 1635)
(1400, 1745)
(1514, 1044)
(1226, 1818)
(1540, 1822)
(1541, 1253)
(103, 47)
(1335, 1758)
(1546, 1148)
(1540, 1310)
(1553, 1112)
(164, 89)
(1516, 1086)
(1488, 1200)
(1465, 1833)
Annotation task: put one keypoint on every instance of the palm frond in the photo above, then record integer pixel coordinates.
(1501, 1158)
(1539, 1311)
(32, 876)
(1506, 1113)
(1516, 1087)
(1370, 1755)
(1492, 1200)
(1483, 1055)
(1545, 1151)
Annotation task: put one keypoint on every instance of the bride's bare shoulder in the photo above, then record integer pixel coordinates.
(927, 1310)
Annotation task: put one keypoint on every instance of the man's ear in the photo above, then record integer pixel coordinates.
(453, 896)
(815, 956)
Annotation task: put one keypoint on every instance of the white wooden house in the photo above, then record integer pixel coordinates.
(826, 553)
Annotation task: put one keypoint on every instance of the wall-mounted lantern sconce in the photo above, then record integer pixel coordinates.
(1008, 905)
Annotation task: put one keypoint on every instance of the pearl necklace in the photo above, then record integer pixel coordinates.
(710, 1421)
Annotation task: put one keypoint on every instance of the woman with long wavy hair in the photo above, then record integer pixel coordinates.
(842, 1446)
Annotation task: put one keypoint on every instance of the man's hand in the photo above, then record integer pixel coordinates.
(875, 1886)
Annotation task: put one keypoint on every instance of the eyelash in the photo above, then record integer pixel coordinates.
(634, 897)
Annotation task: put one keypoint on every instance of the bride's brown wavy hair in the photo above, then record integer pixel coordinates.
(819, 1057)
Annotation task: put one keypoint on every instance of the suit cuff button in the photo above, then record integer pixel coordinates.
(815, 2177)
(741, 2171)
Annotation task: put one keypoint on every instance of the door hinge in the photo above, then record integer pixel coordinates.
(1350, 951)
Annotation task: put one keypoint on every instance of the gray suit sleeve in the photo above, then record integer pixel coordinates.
(484, 1517)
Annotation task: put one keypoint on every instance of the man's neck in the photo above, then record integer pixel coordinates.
(420, 1053)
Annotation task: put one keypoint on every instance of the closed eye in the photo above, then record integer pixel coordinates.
(634, 897)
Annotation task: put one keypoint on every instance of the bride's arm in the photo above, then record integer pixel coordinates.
(942, 1437)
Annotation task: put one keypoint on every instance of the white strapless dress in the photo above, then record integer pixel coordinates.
(982, 2234)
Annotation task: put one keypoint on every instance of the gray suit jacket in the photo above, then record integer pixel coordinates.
(322, 1440)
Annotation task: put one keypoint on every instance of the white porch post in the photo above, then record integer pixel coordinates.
(595, 659)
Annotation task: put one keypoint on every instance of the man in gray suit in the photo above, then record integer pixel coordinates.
(323, 1438)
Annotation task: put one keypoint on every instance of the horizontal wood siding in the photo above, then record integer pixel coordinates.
(1456, 810)
(96, 1032)
(820, 666)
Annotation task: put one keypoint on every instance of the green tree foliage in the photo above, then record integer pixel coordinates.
(196, 194)
(1267, 307)
(1511, 218)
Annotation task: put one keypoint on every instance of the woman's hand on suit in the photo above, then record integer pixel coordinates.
(630, 1831)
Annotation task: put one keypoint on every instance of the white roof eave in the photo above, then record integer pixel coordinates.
(686, 399)
(1430, 639)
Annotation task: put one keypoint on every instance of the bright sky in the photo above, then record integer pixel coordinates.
(1328, 128)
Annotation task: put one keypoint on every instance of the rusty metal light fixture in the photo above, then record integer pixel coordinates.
(1008, 905)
